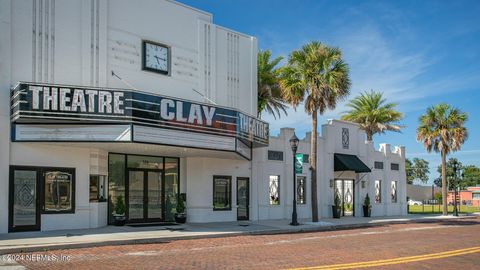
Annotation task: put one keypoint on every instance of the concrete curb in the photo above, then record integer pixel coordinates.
(51, 247)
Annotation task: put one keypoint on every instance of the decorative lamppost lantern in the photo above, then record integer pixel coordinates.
(294, 145)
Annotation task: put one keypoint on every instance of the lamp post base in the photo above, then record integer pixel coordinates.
(294, 217)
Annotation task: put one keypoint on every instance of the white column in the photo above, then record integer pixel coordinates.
(5, 83)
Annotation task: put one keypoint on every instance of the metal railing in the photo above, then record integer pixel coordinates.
(435, 207)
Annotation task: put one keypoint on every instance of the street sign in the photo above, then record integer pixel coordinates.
(298, 163)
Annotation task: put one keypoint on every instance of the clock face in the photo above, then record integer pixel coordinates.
(156, 57)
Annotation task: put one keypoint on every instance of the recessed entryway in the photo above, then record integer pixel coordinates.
(145, 195)
(345, 189)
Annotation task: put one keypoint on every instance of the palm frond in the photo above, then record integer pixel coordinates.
(374, 115)
(270, 97)
(442, 128)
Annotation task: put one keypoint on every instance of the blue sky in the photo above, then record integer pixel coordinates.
(419, 53)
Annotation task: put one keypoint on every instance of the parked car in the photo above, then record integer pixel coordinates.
(413, 202)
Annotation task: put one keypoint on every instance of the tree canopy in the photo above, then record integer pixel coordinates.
(470, 177)
(317, 76)
(442, 129)
(269, 94)
(417, 170)
(374, 115)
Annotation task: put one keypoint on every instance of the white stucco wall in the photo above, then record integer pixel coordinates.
(329, 143)
(199, 187)
(82, 42)
(5, 79)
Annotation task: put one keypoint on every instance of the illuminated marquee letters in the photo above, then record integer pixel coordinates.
(81, 100)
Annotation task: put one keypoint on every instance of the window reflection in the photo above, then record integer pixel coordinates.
(58, 191)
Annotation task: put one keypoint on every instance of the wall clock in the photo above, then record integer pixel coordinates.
(156, 57)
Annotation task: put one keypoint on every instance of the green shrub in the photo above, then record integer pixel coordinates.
(367, 201)
(120, 206)
(180, 206)
(336, 200)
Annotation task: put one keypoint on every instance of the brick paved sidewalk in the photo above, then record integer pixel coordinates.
(111, 235)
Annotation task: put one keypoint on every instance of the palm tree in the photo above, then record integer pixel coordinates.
(442, 130)
(373, 114)
(317, 76)
(269, 94)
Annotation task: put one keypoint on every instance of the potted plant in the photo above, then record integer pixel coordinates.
(367, 207)
(119, 213)
(180, 215)
(336, 207)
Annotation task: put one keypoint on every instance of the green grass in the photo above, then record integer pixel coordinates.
(437, 209)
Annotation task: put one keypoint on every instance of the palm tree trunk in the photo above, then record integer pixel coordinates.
(369, 136)
(444, 183)
(313, 166)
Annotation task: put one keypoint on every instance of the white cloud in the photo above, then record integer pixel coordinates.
(376, 63)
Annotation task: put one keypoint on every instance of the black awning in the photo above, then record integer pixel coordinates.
(343, 162)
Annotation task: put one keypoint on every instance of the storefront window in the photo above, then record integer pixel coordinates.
(274, 189)
(378, 191)
(222, 195)
(59, 190)
(171, 187)
(97, 188)
(116, 181)
(301, 189)
(153, 185)
(145, 162)
(394, 191)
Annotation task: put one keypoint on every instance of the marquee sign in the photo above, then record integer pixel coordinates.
(62, 104)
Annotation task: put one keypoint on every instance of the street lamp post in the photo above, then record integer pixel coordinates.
(456, 171)
(294, 144)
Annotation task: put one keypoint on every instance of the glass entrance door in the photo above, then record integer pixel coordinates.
(136, 194)
(243, 198)
(24, 211)
(145, 195)
(345, 189)
(154, 195)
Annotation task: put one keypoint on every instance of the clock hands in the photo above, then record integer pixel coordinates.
(157, 57)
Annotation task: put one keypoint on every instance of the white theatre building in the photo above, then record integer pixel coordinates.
(150, 102)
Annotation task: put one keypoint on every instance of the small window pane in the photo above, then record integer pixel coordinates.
(301, 189)
(221, 192)
(378, 165)
(275, 155)
(116, 182)
(394, 191)
(58, 191)
(97, 188)
(345, 138)
(394, 167)
(93, 188)
(171, 187)
(274, 190)
(306, 158)
(378, 191)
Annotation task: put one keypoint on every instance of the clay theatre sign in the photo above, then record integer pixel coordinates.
(47, 112)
